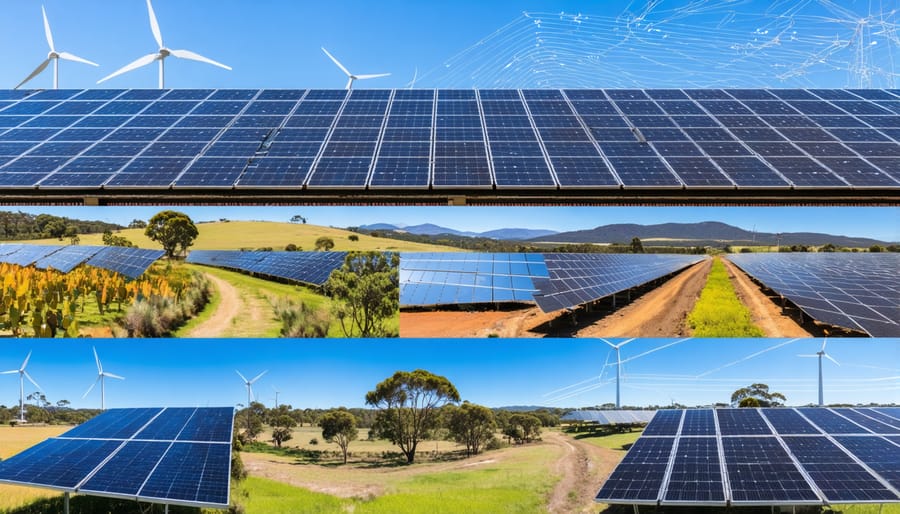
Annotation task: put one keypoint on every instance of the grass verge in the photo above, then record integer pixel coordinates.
(719, 312)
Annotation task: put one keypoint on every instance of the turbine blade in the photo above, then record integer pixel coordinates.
(32, 380)
(90, 388)
(824, 342)
(259, 376)
(339, 65)
(350, 82)
(154, 25)
(829, 357)
(47, 30)
(110, 375)
(187, 54)
(372, 76)
(34, 73)
(143, 61)
(10, 372)
(25, 363)
(242, 376)
(71, 57)
(97, 360)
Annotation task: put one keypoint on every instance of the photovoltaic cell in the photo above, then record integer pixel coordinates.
(761, 472)
(131, 262)
(639, 477)
(696, 476)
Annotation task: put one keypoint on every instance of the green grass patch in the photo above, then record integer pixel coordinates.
(618, 441)
(268, 496)
(719, 312)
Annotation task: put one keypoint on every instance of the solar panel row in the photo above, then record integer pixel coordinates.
(131, 262)
(610, 417)
(179, 456)
(308, 267)
(458, 139)
(760, 457)
(856, 291)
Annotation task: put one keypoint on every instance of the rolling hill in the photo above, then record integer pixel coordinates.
(429, 229)
(235, 235)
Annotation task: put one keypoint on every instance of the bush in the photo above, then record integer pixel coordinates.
(314, 441)
(158, 316)
(298, 320)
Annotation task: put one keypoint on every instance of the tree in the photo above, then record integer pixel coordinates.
(408, 403)
(876, 248)
(470, 424)
(281, 429)
(298, 219)
(637, 246)
(173, 230)
(828, 248)
(110, 239)
(291, 247)
(523, 428)
(62, 404)
(339, 426)
(365, 292)
(757, 395)
(353, 237)
(136, 223)
(250, 420)
(324, 243)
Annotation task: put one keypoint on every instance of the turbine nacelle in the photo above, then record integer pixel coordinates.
(352, 76)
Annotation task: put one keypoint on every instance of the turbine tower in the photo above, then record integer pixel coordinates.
(821, 353)
(350, 77)
(100, 376)
(53, 56)
(22, 376)
(617, 347)
(277, 392)
(161, 55)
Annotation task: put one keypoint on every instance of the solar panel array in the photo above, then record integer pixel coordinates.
(131, 262)
(743, 457)
(610, 417)
(177, 456)
(575, 279)
(859, 291)
(450, 139)
(308, 267)
(464, 278)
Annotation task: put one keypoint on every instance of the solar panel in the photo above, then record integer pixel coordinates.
(27, 255)
(796, 464)
(67, 258)
(598, 140)
(574, 279)
(307, 267)
(856, 291)
(609, 417)
(171, 456)
(131, 262)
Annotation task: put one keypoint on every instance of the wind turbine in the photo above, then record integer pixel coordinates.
(161, 55)
(53, 56)
(22, 376)
(351, 77)
(821, 353)
(100, 376)
(617, 347)
(249, 384)
(277, 392)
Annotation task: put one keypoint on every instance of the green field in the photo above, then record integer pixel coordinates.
(719, 312)
(235, 235)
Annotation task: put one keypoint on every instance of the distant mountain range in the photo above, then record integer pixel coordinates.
(707, 233)
(428, 229)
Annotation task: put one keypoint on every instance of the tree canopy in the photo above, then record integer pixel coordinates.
(174, 230)
(339, 426)
(324, 243)
(365, 293)
(409, 401)
(757, 395)
(470, 424)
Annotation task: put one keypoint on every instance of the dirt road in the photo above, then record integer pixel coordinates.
(582, 468)
(763, 312)
(230, 304)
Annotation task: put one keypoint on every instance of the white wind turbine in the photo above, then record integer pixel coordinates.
(821, 353)
(617, 347)
(351, 77)
(53, 56)
(249, 384)
(161, 55)
(100, 376)
(22, 376)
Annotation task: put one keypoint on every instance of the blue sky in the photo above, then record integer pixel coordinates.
(494, 373)
(276, 43)
(881, 223)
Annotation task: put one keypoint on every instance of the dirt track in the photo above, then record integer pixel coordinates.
(581, 468)
(765, 314)
(229, 306)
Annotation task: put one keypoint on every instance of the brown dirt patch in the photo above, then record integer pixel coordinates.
(659, 312)
(763, 312)
(582, 468)
(230, 305)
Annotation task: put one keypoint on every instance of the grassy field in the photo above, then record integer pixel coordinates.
(235, 235)
(611, 441)
(12, 441)
(719, 312)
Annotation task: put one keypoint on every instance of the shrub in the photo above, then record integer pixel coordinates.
(298, 320)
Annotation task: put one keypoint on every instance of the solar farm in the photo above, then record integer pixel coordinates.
(761, 457)
(554, 281)
(860, 292)
(130, 262)
(170, 456)
(407, 146)
(311, 268)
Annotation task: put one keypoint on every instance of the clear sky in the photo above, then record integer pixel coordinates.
(495, 373)
(881, 223)
(276, 43)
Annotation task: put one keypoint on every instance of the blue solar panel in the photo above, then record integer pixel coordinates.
(698, 422)
(877, 453)
(308, 267)
(639, 477)
(741, 422)
(696, 476)
(131, 262)
(666, 422)
(788, 421)
(57, 463)
(126, 472)
(761, 472)
(67, 258)
(195, 472)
